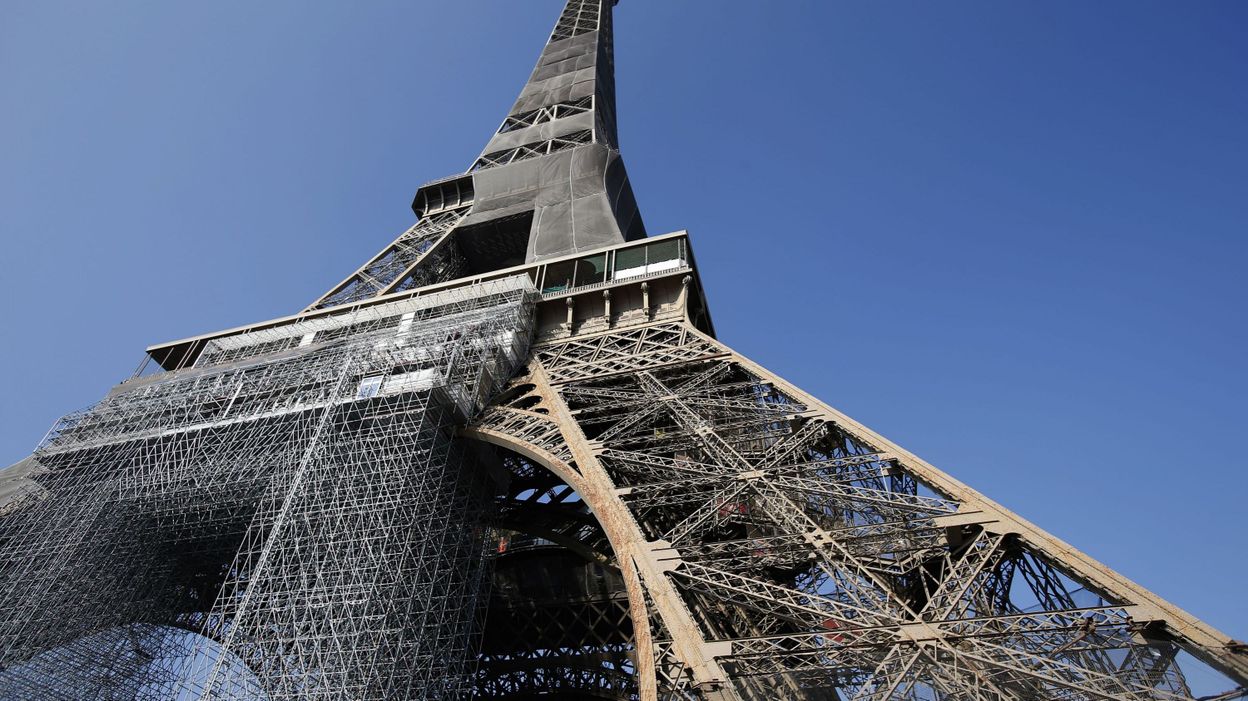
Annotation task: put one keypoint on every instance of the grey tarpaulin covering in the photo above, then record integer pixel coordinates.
(580, 199)
(556, 154)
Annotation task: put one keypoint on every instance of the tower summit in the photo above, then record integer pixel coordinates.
(508, 458)
(550, 181)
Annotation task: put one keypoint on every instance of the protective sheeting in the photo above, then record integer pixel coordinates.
(560, 88)
(581, 199)
(566, 72)
(542, 132)
(18, 489)
(564, 56)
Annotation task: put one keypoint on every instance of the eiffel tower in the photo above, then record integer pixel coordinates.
(508, 458)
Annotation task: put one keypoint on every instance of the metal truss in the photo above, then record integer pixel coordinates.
(410, 261)
(578, 17)
(549, 113)
(784, 551)
(535, 149)
(558, 620)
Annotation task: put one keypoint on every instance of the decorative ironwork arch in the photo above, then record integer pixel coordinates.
(520, 421)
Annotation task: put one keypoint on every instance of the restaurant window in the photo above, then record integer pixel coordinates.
(591, 270)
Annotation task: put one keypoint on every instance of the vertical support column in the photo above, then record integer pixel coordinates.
(631, 546)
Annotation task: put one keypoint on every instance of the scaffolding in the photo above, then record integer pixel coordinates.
(291, 518)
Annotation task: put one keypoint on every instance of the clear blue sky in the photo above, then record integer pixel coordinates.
(1010, 236)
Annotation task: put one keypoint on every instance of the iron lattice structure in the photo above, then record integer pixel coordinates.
(508, 458)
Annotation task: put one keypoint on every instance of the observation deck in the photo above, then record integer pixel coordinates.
(615, 286)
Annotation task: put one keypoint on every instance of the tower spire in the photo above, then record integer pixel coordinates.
(550, 181)
(556, 154)
(572, 87)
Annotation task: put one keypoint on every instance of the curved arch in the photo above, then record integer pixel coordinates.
(134, 660)
(605, 509)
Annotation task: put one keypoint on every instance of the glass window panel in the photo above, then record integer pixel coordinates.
(558, 276)
(663, 251)
(630, 262)
(590, 270)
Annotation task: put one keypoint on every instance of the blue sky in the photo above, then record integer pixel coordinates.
(1010, 236)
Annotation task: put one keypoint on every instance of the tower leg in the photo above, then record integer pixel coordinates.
(783, 550)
